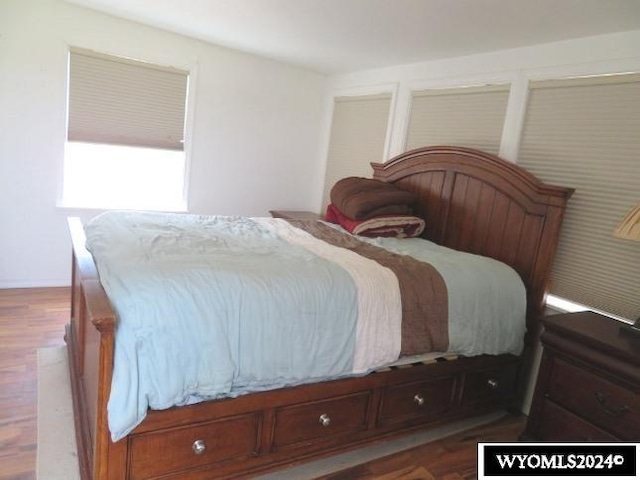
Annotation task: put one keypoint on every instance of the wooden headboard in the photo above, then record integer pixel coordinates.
(477, 202)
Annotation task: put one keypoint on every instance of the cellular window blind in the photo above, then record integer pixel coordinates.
(358, 134)
(467, 117)
(585, 133)
(114, 100)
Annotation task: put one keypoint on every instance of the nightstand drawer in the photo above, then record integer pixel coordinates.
(560, 425)
(605, 404)
(591, 375)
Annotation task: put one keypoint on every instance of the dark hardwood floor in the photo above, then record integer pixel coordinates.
(451, 458)
(34, 318)
(29, 319)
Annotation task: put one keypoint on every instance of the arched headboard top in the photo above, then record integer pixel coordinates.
(477, 202)
(474, 163)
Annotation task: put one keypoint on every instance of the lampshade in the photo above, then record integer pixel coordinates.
(629, 228)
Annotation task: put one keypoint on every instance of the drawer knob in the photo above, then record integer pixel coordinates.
(610, 410)
(325, 420)
(418, 399)
(198, 447)
(493, 383)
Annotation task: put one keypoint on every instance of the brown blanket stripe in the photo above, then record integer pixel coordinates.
(422, 290)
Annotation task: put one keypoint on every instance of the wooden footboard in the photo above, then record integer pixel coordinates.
(90, 340)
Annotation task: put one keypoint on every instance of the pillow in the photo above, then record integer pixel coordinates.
(398, 226)
(362, 198)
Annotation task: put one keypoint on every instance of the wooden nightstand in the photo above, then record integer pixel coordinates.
(588, 386)
(295, 215)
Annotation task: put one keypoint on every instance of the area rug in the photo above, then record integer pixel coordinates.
(57, 455)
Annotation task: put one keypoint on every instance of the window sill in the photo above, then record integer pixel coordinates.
(66, 205)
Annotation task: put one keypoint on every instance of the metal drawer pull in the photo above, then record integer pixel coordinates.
(611, 411)
(419, 399)
(493, 383)
(325, 420)
(198, 447)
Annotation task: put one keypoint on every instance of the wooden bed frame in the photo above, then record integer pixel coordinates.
(471, 201)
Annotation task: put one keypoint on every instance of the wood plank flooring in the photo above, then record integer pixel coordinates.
(29, 319)
(451, 458)
(34, 318)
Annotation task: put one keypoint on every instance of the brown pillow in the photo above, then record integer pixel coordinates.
(361, 198)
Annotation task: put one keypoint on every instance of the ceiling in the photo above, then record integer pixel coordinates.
(338, 36)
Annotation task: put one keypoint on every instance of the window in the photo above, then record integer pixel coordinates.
(358, 134)
(467, 117)
(125, 136)
(584, 133)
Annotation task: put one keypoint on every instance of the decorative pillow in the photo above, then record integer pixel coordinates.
(399, 226)
(362, 198)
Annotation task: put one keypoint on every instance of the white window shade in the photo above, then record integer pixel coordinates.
(117, 101)
(585, 133)
(467, 117)
(358, 134)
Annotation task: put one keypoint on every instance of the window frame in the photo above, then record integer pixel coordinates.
(565, 79)
(156, 58)
(351, 168)
(458, 91)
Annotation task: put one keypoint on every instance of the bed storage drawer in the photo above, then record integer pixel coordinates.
(325, 418)
(191, 447)
(606, 404)
(490, 386)
(564, 426)
(419, 401)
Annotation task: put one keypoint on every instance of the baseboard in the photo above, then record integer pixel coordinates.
(34, 283)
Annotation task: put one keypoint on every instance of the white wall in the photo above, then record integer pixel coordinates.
(255, 143)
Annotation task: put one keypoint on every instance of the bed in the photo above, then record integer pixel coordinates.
(472, 201)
